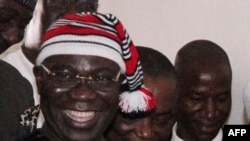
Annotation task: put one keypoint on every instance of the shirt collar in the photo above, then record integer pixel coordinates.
(177, 138)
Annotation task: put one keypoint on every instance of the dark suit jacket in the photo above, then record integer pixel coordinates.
(16, 95)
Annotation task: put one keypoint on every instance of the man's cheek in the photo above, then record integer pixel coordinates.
(124, 128)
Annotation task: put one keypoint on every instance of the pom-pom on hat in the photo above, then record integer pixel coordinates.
(30, 4)
(101, 35)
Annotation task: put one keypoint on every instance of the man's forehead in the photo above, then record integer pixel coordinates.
(48, 2)
(206, 77)
(62, 58)
(204, 68)
(81, 61)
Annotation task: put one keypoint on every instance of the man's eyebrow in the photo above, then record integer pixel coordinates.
(64, 66)
(170, 113)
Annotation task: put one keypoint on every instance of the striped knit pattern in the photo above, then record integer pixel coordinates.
(107, 26)
(99, 35)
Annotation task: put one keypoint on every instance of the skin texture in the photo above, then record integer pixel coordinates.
(55, 9)
(204, 90)
(13, 19)
(82, 97)
(155, 125)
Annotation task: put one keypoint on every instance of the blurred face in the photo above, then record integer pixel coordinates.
(13, 19)
(154, 126)
(55, 9)
(78, 108)
(205, 102)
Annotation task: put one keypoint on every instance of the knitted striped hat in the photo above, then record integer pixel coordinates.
(100, 35)
(30, 4)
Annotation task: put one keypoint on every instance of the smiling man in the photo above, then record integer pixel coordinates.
(81, 65)
(23, 54)
(204, 104)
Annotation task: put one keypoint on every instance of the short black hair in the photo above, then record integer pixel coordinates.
(154, 63)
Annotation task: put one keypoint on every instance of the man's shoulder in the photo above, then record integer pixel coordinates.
(35, 136)
(16, 96)
(17, 59)
(11, 50)
(8, 71)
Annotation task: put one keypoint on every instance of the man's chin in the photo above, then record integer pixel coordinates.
(207, 136)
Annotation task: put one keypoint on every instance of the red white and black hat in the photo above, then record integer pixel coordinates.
(100, 35)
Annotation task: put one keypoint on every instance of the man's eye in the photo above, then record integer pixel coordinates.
(163, 119)
(64, 76)
(195, 99)
(103, 78)
(223, 98)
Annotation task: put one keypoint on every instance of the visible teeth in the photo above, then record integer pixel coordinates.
(80, 116)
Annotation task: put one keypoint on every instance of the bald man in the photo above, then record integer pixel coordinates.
(204, 104)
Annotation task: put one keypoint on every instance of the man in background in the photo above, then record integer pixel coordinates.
(16, 91)
(160, 79)
(204, 79)
(15, 98)
(14, 16)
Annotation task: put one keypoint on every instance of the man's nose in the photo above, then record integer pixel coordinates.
(209, 111)
(83, 91)
(144, 129)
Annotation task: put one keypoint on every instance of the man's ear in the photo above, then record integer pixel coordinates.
(38, 72)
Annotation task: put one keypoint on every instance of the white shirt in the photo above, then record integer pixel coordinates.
(14, 56)
(175, 137)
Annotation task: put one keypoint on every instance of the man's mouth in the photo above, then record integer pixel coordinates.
(80, 116)
(208, 127)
